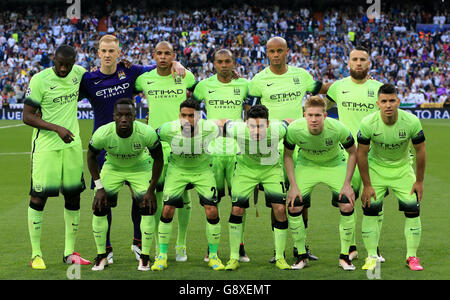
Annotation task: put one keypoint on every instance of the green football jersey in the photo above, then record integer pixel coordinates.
(189, 153)
(354, 101)
(164, 95)
(323, 149)
(125, 153)
(222, 101)
(257, 153)
(57, 99)
(283, 94)
(389, 144)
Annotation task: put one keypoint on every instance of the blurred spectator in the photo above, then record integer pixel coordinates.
(417, 63)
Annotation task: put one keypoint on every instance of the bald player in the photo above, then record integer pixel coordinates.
(164, 95)
(281, 88)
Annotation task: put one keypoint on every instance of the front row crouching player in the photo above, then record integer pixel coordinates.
(124, 141)
(320, 159)
(387, 133)
(189, 163)
(258, 163)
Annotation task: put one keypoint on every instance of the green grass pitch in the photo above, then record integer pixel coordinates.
(323, 234)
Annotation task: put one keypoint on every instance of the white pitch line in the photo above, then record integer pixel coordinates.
(9, 126)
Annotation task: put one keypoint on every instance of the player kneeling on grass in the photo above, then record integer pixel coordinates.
(320, 159)
(189, 163)
(387, 133)
(124, 141)
(258, 163)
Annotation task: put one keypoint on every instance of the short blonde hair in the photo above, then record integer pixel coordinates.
(108, 38)
(316, 101)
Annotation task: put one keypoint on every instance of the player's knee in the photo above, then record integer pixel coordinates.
(168, 211)
(346, 209)
(237, 211)
(297, 210)
(414, 214)
(211, 212)
(72, 202)
(72, 205)
(37, 203)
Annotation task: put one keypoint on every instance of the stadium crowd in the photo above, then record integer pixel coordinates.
(417, 62)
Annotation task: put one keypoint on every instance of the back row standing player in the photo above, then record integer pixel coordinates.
(356, 97)
(164, 95)
(103, 88)
(224, 98)
(281, 89)
(56, 157)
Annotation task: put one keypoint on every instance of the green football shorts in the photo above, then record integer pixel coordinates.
(114, 178)
(223, 168)
(308, 176)
(178, 179)
(52, 171)
(245, 180)
(399, 180)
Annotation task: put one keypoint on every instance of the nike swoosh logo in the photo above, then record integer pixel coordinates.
(74, 224)
(302, 142)
(35, 223)
(97, 231)
(211, 92)
(150, 82)
(97, 82)
(377, 134)
(345, 92)
(52, 87)
(112, 147)
(269, 84)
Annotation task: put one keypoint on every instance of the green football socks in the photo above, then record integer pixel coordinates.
(147, 229)
(413, 232)
(298, 231)
(35, 229)
(184, 217)
(71, 220)
(100, 229)
(370, 234)
(164, 233)
(346, 230)
(213, 236)
(236, 227)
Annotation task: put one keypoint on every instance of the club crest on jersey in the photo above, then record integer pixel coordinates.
(296, 80)
(328, 142)
(402, 133)
(75, 80)
(137, 146)
(237, 91)
(370, 93)
(121, 75)
(178, 79)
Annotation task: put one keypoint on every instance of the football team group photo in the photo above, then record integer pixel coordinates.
(221, 140)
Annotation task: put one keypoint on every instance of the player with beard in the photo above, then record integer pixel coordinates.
(355, 97)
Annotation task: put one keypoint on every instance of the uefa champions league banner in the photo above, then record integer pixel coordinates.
(14, 112)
